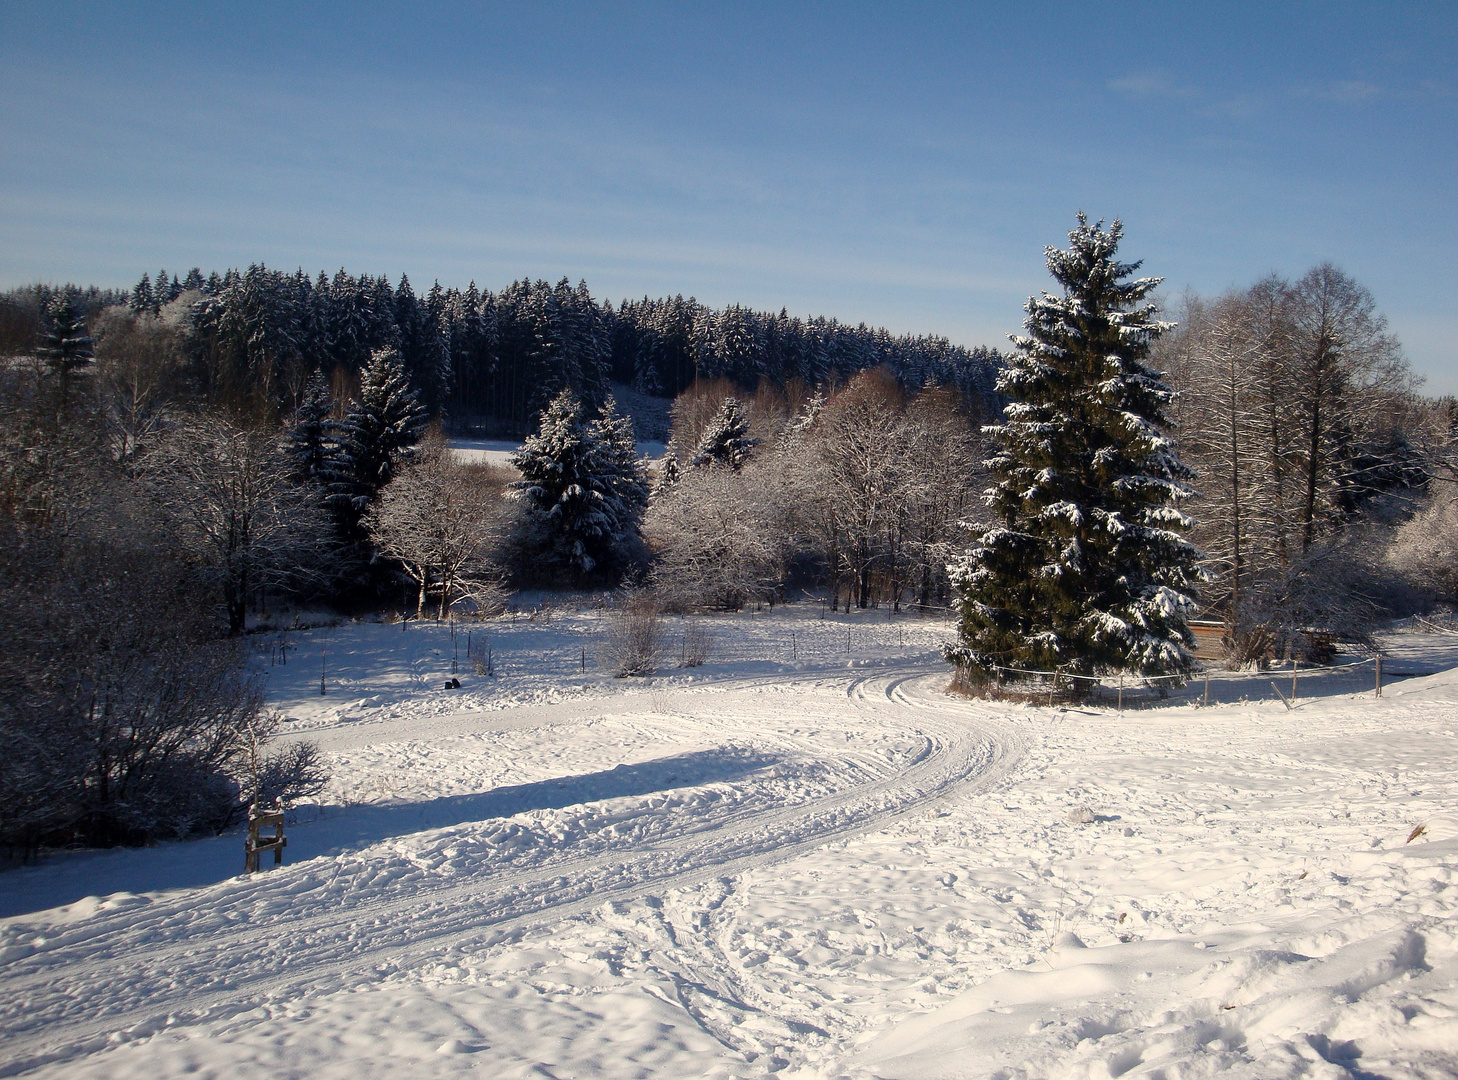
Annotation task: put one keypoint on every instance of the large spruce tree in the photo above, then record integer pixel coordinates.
(585, 492)
(1086, 570)
(65, 345)
(376, 434)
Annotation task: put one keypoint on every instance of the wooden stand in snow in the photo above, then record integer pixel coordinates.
(258, 819)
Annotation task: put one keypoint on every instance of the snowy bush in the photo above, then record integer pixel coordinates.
(698, 642)
(129, 715)
(287, 775)
(714, 539)
(1340, 591)
(635, 639)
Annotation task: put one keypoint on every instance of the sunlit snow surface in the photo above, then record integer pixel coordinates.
(802, 858)
(498, 451)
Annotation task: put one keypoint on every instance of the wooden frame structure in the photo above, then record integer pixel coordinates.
(258, 818)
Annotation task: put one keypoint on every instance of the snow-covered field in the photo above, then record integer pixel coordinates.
(498, 451)
(802, 858)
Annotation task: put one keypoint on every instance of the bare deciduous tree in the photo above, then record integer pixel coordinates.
(226, 490)
(1343, 362)
(1292, 403)
(139, 359)
(440, 519)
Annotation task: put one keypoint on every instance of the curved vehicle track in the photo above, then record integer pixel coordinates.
(130, 973)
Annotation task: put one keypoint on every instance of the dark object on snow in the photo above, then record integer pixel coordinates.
(453, 684)
(253, 847)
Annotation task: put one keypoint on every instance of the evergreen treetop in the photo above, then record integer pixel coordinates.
(1087, 570)
(726, 440)
(65, 345)
(584, 486)
(378, 431)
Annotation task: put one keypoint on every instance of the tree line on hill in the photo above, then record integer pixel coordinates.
(494, 360)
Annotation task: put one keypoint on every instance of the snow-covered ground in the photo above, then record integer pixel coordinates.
(498, 451)
(802, 858)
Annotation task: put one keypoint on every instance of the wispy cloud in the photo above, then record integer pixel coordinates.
(1347, 91)
(1154, 84)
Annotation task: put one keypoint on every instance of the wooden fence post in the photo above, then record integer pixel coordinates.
(1379, 675)
(260, 818)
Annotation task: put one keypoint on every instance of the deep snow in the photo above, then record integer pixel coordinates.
(803, 858)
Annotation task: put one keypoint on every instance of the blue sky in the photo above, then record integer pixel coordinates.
(898, 164)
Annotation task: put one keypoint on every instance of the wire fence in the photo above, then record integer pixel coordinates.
(804, 638)
(1289, 683)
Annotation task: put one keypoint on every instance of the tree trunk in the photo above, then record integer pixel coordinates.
(1234, 619)
(1313, 469)
(235, 598)
(445, 592)
(1278, 477)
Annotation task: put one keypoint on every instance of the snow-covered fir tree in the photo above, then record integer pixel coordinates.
(620, 467)
(376, 434)
(1087, 570)
(311, 444)
(726, 441)
(584, 490)
(142, 300)
(669, 475)
(65, 345)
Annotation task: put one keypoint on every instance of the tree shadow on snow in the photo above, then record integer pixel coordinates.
(65, 878)
(360, 826)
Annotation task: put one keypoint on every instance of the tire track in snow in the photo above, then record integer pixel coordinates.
(68, 1001)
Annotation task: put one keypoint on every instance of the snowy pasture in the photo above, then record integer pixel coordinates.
(498, 451)
(803, 858)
